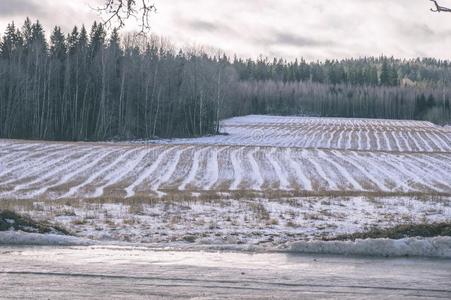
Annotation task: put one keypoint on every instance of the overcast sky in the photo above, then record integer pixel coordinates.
(313, 29)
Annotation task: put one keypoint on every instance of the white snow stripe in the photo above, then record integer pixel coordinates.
(342, 171)
(294, 165)
(121, 172)
(381, 186)
(70, 175)
(319, 169)
(237, 170)
(73, 190)
(281, 175)
(130, 190)
(170, 170)
(255, 170)
(194, 168)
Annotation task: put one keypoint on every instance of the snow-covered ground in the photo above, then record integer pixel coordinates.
(36, 239)
(328, 133)
(439, 247)
(271, 180)
(255, 222)
(81, 170)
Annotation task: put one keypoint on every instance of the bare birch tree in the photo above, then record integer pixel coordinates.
(119, 11)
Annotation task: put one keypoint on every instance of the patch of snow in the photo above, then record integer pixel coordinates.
(238, 172)
(439, 247)
(36, 239)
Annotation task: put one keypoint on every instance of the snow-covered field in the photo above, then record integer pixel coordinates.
(245, 222)
(57, 170)
(330, 133)
(270, 180)
(260, 154)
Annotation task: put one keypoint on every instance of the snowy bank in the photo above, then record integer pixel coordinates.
(36, 239)
(428, 247)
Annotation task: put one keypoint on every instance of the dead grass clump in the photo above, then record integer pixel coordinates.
(110, 223)
(259, 210)
(325, 202)
(294, 202)
(136, 208)
(244, 194)
(10, 220)
(326, 213)
(189, 238)
(402, 231)
(175, 219)
(313, 216)
(79, 222)
(273, 222)
(66, 213)
(292, 224)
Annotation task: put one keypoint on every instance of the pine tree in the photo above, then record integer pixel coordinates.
(38, 40)
(58, 44)
(393, 76)
(385, 73)
(27, 32)
(114, 41)
(72, 41)
(97, 39)
(83, 40)
(12, 42)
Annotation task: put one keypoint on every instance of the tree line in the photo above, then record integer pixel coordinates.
(94, 85)
(375, 71)
(340, 100)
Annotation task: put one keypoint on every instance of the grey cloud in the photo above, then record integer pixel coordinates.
(197, 26)
(422, 32)
(19, 7)
(299, 41)
(203, 25)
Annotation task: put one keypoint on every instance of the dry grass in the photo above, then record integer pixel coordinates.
(260, 212)
(295, 199)
(401, 231)
(12, 220)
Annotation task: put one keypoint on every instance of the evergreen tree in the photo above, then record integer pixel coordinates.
(83, 39)
(12, 41)
(27, 32)
(385, 73)
(58, 44)
(38, 41)
(73, 41)
(97, 39)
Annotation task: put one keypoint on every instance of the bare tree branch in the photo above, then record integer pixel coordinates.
(439, 8)
(119, 11)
